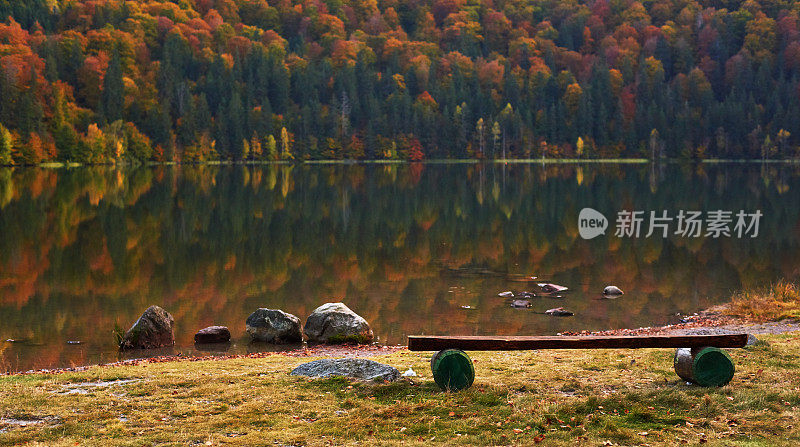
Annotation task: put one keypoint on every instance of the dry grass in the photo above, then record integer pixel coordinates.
(625, 397)
(776, 302)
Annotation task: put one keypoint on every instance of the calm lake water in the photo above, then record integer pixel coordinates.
(405, 246)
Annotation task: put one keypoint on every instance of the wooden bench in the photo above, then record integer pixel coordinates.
(698, 358)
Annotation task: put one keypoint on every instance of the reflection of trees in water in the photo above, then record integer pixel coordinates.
(85, 247)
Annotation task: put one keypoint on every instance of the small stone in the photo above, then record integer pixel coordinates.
(507, 294)
(362, 369)
(154, 329)
(410, 373)
(612, 291)
(213, 334)
(559, 312)
(552, 288)
(273, 326)
(521, 303)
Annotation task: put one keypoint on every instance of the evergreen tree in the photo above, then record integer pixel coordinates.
(112, 102)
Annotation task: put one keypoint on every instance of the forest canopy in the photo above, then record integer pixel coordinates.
(107, 81)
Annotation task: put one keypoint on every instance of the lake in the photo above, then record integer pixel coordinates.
(414, 248)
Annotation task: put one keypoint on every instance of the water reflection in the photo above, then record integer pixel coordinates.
(406, 246)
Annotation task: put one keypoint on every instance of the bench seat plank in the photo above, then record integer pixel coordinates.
(522, 343)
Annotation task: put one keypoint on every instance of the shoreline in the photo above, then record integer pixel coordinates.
(543, 161)
(710, 321)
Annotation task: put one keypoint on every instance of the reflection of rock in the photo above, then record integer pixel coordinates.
(273, 326)
(355, 368)
(508, 294)
(612, 291)
(213, 334)
(154, 329)
(336, 323)
(520, 303)
(559, 312)
(214, 348)
(255, 347)
(551, 288)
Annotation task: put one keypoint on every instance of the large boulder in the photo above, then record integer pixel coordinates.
(362, 369)
(336, 323)
(154, 329)
(273, 326)
(213, 334)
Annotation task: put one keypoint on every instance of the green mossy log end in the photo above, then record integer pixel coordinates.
(704, 366)
(452, 370)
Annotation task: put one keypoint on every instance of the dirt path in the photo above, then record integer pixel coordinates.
(709, 322)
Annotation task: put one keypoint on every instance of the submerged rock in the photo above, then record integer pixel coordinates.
(552, 288)
(336, 323)
(521, 303)
(612, 291)
(559, 312)
(273, 326)
(362, 369)
(154, 329)
(213, 334)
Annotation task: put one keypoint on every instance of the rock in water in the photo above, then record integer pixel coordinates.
(355, 368)
(559, 312)
(521, 303)
(612, 291)
(551, 288)
(152, 330)
(213, 334)
(336, 323)
(508, 294)
(273, 326)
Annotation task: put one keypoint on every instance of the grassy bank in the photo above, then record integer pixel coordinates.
(775, 302)
(622, 397)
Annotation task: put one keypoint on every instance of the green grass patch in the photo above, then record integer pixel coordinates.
(585, 397)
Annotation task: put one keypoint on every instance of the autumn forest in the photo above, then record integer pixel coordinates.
(115, 81)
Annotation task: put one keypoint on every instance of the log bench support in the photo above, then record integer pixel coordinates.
(698, 358)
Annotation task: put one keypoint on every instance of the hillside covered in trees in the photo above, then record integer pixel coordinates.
(113, 80)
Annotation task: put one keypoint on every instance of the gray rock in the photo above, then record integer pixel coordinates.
(273, 326)
(336, 323)
(508, 294)
(612, 291)
(154, 329)
(552, 288)
(362, 369)
(521, 303)
(559, 312)
(213, 334)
